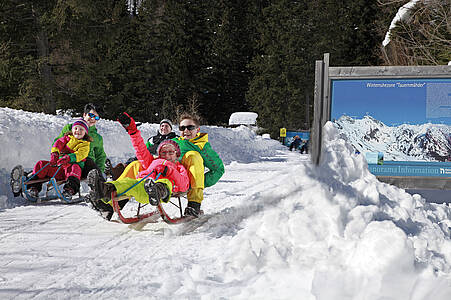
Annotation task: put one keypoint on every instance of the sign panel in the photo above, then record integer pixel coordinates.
(402, 126)
(283, 132)
(303, 135)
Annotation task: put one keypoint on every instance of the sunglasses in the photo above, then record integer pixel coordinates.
(189, 127)
(91, 115)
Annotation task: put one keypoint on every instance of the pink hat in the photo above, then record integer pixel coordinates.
(81, 122)
(170, 142)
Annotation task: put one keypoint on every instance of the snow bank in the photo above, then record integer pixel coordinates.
(336, 226)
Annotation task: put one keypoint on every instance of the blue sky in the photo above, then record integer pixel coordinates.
(392, 101)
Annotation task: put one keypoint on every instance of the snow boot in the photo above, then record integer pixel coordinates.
(157, 191)
(16, 180)
(95, 183)
(193, 209)
(33, 192)
(72, 185)
(108, 168)
(99, 191)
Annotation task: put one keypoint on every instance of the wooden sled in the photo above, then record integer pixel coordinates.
(51, 185)
(171, 212)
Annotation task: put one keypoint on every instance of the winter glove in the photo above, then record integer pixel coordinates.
(64, 160)
(161, 169)
(54, 158)
(128, 123)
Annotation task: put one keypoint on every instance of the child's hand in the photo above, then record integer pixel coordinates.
(161, 169)
(128, 123)
(64, 160)
(54, 158)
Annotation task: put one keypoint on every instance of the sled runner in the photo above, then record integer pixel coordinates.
(171, 212)
(20, 184)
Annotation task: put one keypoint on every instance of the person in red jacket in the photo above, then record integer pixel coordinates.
(172, 175)
(67, 157)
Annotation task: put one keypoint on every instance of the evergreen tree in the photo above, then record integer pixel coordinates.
(232, 48)
(85, 36)
(25, 71)
(276, 91)
(293, 35)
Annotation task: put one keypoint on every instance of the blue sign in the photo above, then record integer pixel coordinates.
(411, 168)
(304, 135)
(402, 126)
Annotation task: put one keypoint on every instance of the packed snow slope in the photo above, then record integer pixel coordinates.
(275, 227)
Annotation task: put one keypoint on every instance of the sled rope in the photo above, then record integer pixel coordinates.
(158, 176)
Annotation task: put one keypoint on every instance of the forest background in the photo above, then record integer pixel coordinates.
(156, 58)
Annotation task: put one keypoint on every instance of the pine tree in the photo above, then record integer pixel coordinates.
(25, 70)
(232, 47)
(276, 91)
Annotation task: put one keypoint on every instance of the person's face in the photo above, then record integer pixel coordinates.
(90, 117)
(188, 129)
(168, 152)
(165, 128)
(78, 131)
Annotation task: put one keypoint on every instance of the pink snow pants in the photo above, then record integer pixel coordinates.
(65, 171)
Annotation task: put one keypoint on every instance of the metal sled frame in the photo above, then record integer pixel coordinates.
(52, 184)
(160, 207)
(159, 210)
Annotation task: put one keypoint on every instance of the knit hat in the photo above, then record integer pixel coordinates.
(166, 121)
(170, 142)
(81, 122)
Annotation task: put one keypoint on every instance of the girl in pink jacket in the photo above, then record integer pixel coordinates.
(67, 158)
(172, 175)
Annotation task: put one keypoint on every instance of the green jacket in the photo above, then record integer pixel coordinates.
(96, 152)
(211, 159)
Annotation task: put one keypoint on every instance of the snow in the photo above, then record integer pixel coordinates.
(275, 227)
(402, 15)
(243, 118)
(405, 142)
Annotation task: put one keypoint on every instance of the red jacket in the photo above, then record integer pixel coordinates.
(176, 172)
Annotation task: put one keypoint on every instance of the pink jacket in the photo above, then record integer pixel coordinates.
(176, 172)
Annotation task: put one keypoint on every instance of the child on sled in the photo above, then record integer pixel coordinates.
(172, 175)
(66, 160)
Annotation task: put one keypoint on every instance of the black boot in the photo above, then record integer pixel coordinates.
(107, 188)
(71, 187)
(16, 180)
(95, 183)
(99, 189)
(157, 191)
(34, 189)
(108, 168)
(193, 209)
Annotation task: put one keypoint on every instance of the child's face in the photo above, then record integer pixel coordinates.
(78, 131)
(168, 152)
